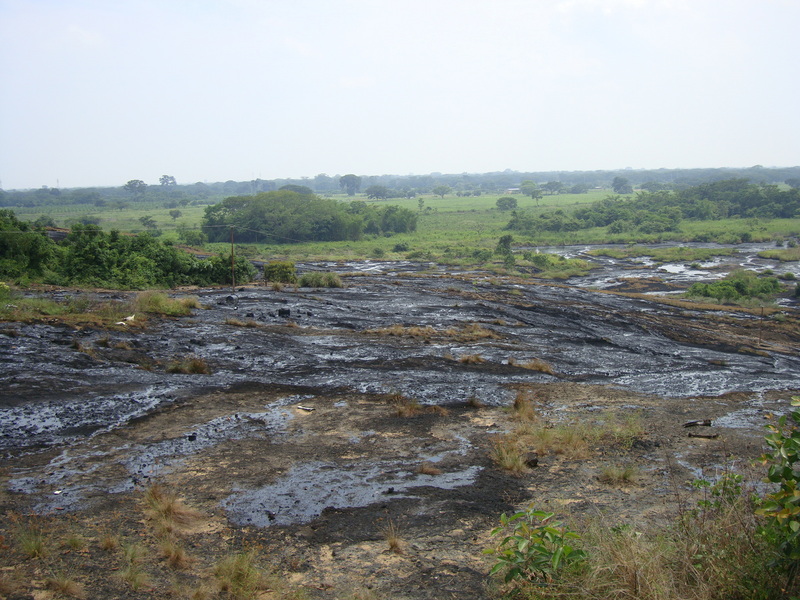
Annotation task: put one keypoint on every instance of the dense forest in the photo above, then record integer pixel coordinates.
(173, 194)
(661, 211)
(90, 256)
(289, 216)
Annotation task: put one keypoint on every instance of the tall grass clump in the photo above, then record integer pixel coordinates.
(167, 510)
(320, 280)
(239, 577)
(159, 303)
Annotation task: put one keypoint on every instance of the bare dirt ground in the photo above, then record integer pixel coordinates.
(359, 413)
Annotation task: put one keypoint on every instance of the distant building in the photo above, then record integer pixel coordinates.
(512, 191)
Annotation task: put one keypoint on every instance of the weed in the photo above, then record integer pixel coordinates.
(64, 584)
(534, 546)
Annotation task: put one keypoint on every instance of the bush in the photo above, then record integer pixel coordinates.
(320, 280)
(538, 547)
(782, 507)
(280, 272)
(739, 285)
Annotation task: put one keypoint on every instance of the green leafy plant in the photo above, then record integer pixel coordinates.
(535, 547)
(782, 507)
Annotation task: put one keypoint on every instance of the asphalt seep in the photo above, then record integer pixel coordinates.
(359, 338)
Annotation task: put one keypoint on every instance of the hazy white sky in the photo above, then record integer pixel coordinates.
(98, 92)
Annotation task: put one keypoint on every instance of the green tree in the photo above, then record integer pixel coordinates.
(22, 250)
(553, 187)
(621, 185)
(441, 190)
(175, 214)
(136, 188)
(167, 181)
(504, 245)
(350, 183)
(148, 222)
(530, 188)
(377, 192)
(506, 203)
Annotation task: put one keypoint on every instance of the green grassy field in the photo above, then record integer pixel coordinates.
(449, 229)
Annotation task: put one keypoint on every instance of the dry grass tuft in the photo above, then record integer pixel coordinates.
(525, 408)
(618, 475)
(31, 540)
(507, 454)
(239, 323)
(239, 577)
(428, 468)
(175, 554)
(109, 543)
(191, 365)
(391, 533)
(474, 402)
(65, 585)
(536, 364)
(167, 510)
(471, 359)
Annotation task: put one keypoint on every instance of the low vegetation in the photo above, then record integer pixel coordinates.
(320, 280)
(733, 543)
(738, 286)
(90, 256)
(189, 365)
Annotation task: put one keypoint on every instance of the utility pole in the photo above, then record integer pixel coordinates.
(233, 271)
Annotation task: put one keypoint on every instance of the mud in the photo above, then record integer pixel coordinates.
(294, 441)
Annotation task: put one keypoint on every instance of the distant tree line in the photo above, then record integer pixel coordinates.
(90, 256)
(286, 216)
(173, 194)
(662, 211)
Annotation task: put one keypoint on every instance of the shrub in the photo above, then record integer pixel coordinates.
(537, 547)
(782, 507)
(160, 303)
(320, 280)
(280, 272)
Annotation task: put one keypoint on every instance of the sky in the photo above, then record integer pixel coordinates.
(99, 92)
